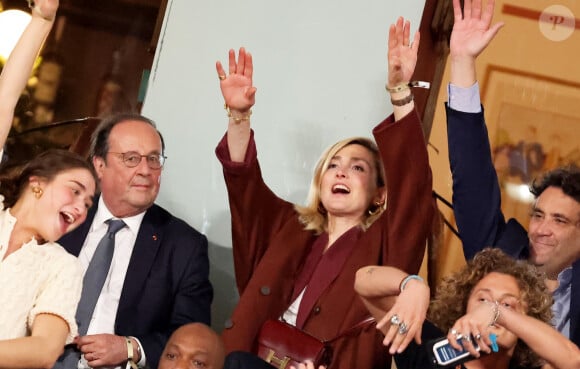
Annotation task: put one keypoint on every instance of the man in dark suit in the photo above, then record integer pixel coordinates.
(158, 277)
(553, 239)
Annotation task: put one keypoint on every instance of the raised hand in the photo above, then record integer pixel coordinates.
(44, 8)
(402, 54)
(472, 32)
(237, 89)
(472, 29)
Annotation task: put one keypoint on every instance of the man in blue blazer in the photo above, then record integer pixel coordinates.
(553, 239)
(158, 277)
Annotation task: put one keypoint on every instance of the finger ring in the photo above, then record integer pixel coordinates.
(395, 320)
(403, 328)
(456, 334)
(222, 77)
(478, 336)
(468, 337)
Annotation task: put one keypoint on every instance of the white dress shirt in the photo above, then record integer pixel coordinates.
(103, 319)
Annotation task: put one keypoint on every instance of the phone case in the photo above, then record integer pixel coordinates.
(443, 355)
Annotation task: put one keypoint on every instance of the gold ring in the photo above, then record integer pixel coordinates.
(222, 77)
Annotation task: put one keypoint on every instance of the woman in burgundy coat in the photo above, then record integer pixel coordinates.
(368, 203)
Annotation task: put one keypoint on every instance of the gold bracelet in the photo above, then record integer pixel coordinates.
(407, 85)
(237, 120)
(398, 88)
(130, 358)
(403, 101)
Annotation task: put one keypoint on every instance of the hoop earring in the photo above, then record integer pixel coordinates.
(37, 191)
(376, 210)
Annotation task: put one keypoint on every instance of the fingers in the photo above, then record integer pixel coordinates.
(241, 61)
(490, 33)
(467, 9)
(393, 36)
(488, 12)
(220, 70)
(416, 41)
(244, 65)
(232, 61)
(406, 32)
(249, 68)
(457, 13)
(251, 93)
(399, 31)
(399, 334)
(399, 34)
(476, 9)
(469, 337)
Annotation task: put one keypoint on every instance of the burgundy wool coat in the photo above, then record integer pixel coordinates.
(270, 246)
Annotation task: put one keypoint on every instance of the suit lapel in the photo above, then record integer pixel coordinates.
(142, 258)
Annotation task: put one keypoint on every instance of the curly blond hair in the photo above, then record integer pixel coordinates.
(450, 302)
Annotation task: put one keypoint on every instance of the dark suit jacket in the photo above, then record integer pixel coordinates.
(477, 201)
(166, 284)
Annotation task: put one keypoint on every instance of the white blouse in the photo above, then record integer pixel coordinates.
(35, 279)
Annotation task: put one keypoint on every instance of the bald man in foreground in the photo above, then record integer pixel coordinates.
(193, 345)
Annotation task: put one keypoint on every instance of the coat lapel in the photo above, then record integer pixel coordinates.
(142, 258)
(328, 268)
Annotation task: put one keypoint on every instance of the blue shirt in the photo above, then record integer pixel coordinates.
(561, 307)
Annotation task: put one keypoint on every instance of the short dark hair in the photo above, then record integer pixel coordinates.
(565, 178)
(100, 138)
(46, 165)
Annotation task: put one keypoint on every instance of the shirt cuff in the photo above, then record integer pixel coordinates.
(142, 360)
(466, 100)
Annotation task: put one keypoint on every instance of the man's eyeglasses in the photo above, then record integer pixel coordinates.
(131, 159)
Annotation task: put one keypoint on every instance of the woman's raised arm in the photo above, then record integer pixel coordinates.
(16, 72)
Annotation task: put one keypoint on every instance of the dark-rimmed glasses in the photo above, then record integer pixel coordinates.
(131, 159)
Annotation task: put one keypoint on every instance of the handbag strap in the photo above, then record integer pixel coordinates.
(358, 326)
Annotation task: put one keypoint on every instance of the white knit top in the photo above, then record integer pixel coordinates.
(35, 279)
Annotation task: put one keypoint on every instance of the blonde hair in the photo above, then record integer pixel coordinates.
(313, 215)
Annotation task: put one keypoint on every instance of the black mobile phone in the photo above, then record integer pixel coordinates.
(443, 355)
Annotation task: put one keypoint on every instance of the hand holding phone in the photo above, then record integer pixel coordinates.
(444, 355)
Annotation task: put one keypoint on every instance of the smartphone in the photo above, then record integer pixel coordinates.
(444, 355)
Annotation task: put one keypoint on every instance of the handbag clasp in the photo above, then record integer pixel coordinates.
(277, 362)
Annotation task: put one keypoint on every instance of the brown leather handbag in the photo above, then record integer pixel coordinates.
(282, 345)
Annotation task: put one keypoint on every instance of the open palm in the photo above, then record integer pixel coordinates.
(237, 89)
(472, 30)
(402, 54)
